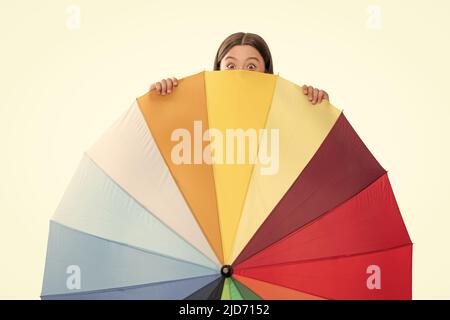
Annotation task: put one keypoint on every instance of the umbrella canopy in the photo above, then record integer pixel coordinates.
(232, 187)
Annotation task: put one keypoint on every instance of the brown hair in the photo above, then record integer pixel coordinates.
(242, 38)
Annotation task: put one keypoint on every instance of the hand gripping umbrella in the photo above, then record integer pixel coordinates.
(232, 187)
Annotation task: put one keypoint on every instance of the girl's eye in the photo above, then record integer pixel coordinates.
(230, 66)
(252, 66)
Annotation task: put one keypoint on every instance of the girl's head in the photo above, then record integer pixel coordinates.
(244, 51)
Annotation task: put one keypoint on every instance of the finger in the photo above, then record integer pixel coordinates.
(325, 96)
(305, 89)
(175, 81)
(152, 87)
(163, 87)
(315, 96)
(320, 96)
(169, 85)
(158, 87)
(310, 93)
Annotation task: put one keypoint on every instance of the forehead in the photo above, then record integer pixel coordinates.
(243, 52)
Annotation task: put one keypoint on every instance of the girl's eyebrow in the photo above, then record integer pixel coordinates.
(230, 57)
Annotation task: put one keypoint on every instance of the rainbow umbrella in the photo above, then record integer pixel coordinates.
(232, 187)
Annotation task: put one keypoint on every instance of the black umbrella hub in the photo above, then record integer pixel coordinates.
(226, 271)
